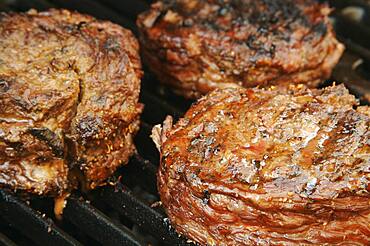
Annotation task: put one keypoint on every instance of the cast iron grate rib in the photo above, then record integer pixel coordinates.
(4, 240)
(124, 214)
(23, 217)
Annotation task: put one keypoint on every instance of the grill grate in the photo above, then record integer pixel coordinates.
(123, 214)
(23, 217)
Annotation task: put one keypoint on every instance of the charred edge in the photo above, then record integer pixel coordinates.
(111, 44)
(52, 139)
(18, 146)
(70, 152)
(88, 127)
(206, 196)
(76, 27)
(4, 85)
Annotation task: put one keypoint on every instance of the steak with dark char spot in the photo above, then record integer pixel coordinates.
(268, 167)
(69, 88)
(199, 45)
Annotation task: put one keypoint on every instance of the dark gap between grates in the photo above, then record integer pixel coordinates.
(147, 146)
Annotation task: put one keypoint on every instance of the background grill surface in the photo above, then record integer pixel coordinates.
(129, 213)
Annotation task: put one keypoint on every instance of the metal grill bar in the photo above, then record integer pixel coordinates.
(355, 31)
(97, 225)
(4, 240)
(30, 222)
(121, 199)
(344, 72)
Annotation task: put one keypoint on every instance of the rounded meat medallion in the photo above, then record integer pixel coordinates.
(199, 45)
(268, 167)
(69, 88)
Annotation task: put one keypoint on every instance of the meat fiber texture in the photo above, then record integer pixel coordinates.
(268, 167)
(196, 46)
(69, 87)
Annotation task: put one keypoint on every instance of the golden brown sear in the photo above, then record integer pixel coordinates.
(268, 167)
(69, 87)
(199, 45)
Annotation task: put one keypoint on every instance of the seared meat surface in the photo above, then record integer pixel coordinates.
(268, 167)
(69, 87)
(199, 45)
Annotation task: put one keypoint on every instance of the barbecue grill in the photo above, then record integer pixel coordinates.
(128, 211)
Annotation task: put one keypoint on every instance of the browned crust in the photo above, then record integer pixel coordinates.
(69, 90)
(252, 166)
(197, 46)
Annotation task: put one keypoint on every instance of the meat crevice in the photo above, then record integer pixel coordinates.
(68, 99)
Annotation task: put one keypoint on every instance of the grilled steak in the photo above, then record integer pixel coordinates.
(69, 87)
(266, 167)
(199, 45)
